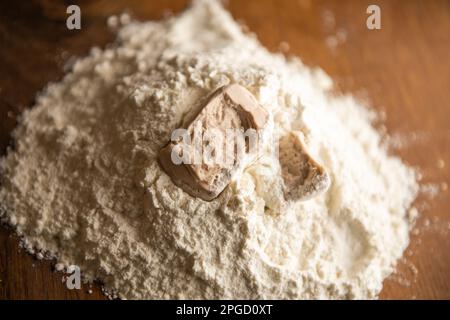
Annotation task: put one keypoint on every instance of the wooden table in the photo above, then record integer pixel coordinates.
(403, 69)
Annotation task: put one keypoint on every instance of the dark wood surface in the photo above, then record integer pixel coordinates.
(404, 69)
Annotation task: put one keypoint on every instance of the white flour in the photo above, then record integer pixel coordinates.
(83, 185)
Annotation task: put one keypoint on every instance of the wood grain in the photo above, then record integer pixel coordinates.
(403, 69)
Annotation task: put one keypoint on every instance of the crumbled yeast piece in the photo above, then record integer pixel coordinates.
(304, 178)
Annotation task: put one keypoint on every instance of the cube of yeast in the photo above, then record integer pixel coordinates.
(222, 143)
(303, 177)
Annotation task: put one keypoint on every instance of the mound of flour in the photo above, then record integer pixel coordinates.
(82, 183)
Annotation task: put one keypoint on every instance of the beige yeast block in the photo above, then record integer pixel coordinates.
(228, 108)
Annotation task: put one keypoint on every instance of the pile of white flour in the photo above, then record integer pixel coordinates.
(82, 183)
